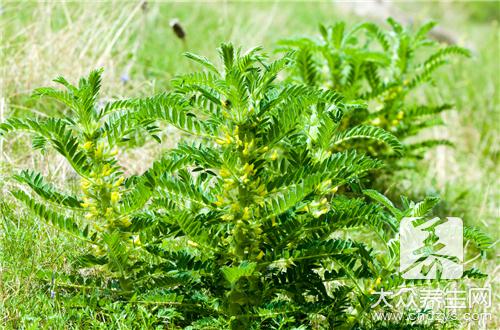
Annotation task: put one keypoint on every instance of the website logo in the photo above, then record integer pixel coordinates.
(431, 249)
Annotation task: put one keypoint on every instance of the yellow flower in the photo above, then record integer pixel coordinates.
(378, 281)
(125, 221)
(97, 227)
(88, 145)
(99, 151)
(106, 170)
(244, 179)
(261, 190)
(274, 155)
(109, 211)
(395, 122)
(119, 181)
(246, 213)
(260, 255)
(220, 201)
(248, 169)
(235, 207)
(85, 184)
(400, 115)
(115, 196)
(248, 148)
(191, 243)
(324, 185)
(227, 217)
(136, 241)
(318, 213)
(224, 173)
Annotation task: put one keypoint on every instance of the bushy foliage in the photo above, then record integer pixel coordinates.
(257, 220)
(384, 69)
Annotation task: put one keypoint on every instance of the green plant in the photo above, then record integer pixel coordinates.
(89, 137)
(255, 220)
(383, 69)
(264, 219)
(240, 205)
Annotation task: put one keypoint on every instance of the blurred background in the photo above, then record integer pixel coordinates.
(134, 42)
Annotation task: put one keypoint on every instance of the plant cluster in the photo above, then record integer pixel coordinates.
(258, 219)
(385, 70)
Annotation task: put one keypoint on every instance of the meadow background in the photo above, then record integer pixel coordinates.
(133, 42)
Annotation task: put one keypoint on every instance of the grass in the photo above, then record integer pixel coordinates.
(140, 54)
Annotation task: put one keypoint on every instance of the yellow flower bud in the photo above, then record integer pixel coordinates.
(260, 255)
(400, 115)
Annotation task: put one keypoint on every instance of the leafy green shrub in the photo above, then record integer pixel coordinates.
(263, 216)
(383, 69)
(88, 137)
(255, 220)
